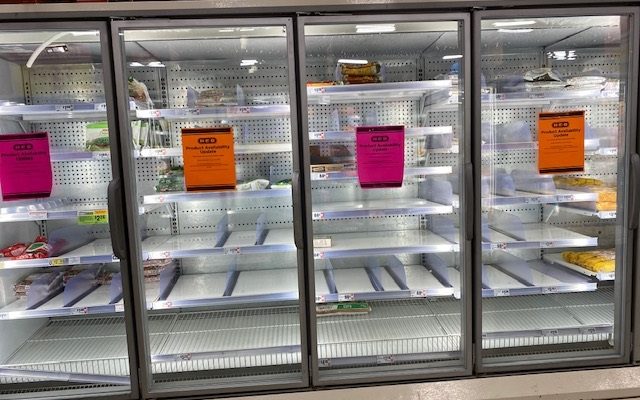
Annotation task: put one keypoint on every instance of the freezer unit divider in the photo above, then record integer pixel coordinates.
(177, 197)
(232, 279)
(65, 376)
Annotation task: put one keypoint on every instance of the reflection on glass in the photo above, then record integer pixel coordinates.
(553, 123)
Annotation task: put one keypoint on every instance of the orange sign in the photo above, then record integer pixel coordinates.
(560, 142)
(209, 161)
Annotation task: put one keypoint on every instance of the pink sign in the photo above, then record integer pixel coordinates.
(25, 166)
(380, 156)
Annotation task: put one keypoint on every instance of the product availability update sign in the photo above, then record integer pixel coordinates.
(209, 162)
(380, 156)
(25, 166)
(560, 142)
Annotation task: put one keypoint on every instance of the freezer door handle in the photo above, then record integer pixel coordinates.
(116, 219)
(298, 215)
(469, 201)
(634, 213)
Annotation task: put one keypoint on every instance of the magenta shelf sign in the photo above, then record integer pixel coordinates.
(25, 166)
(380, 156)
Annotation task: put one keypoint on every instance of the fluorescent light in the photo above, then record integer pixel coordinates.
(452, 57)
(226, 30)
(513, 23)
(515, 30)
(377, 28)
(247, 29)
(350, 61)
(136, 64)
(155, 64)
(562, 55)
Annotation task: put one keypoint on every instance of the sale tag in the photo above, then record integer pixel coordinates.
(560, 142)
(96, 217)
(209, 160)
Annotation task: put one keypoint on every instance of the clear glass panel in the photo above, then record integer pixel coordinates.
(220, 265)
(553, 134)
(387, 255)
(60, 286)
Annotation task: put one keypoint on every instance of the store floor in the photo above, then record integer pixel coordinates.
(615, 383)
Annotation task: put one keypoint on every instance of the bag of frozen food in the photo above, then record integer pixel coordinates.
(171, 180)
(370, 72)
(204, 98)
(254, 184)
(97, 136)
(139, 93)
(542, 75)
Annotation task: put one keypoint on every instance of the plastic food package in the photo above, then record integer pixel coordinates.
(542, 75)
(48, 282)
(607, 195)
(596, 260)
(283, 184)
(204, 98)
(139, 93)
(97, 136)
(255, 184)
(370, 72)
(39, 248)
(171, 180)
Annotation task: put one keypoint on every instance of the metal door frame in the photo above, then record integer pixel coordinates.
(622, 324)
(399, 374)
(147, 387)
(117, 232)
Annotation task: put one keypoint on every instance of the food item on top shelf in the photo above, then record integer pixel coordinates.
(139, 92)
(171, 180)
(254, 184)
(596, 260)
(50, 281)
(204, 98)
(356, 308)
(359, 73)
(39, 248)
(542, 75)
(332, 158)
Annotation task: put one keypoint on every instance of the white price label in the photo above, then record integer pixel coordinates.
(64, 107)
(232, 251)
(80, 311)
(39, 215)
(501, 292)
(100, 107)
(193, 111)
(498, 246)
(319, 176)
(547, 244)
(4, 316)
(346, 297)
(162, 305)
(318, 255)
(101, 155)
(325, 362)
(550, 332)
(317, 135)
(549, 290)
(532, 200)
(73, 260)
(184, 357)
(588, 331)
(317, 215)
(419, 293)
(119, 308)
(388, 359)
(114, 258)
(565, 198)
(607, 214)
(321, 299)
(609, 276)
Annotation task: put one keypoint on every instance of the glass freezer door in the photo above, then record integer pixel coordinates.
(62, 326)
(384, 133)
(555, 95)
(212, 140)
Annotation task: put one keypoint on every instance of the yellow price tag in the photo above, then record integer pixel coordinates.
(93, 217)
(56, 262)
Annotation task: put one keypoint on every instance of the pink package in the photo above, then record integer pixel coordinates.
(380, 156)
(25, 166)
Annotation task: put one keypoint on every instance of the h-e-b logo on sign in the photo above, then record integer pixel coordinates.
(208, 140)
(561, 124)
(23, 147)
